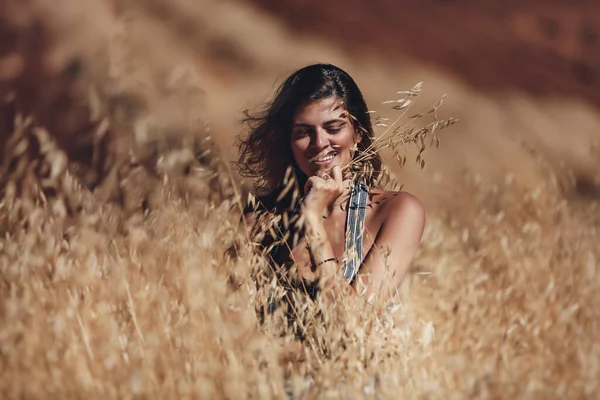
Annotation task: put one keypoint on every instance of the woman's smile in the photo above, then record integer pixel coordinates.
(324, 160)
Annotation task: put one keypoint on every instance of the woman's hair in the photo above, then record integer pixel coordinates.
(265, 152)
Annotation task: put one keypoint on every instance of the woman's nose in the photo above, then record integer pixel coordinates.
(321, 139)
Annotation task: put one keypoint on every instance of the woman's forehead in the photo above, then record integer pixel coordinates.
(321, 110)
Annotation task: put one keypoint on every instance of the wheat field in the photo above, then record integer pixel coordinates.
(120, 210)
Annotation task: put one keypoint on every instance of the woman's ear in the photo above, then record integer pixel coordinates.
(357, 136)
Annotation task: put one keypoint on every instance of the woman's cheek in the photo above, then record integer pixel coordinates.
(300, 160)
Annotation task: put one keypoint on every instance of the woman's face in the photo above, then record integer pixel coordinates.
(322, 136)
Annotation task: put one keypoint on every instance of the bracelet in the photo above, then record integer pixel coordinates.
(327, 260)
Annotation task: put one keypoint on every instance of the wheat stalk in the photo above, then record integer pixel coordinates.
(397, 136)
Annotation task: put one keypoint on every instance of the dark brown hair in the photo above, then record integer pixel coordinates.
(265, 152)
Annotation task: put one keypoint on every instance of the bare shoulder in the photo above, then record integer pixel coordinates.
(391, 205)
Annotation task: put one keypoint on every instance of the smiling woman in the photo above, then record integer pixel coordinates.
(316, 126)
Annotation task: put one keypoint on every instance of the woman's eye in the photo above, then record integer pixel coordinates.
(334, 129)
(301, 133)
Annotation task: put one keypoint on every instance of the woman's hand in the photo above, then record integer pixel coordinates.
(322, 191)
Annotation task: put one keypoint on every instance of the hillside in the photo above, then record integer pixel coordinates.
(119, 209)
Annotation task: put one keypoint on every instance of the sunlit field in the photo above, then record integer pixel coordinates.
(126, 273)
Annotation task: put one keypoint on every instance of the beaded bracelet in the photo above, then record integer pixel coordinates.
(327, 260)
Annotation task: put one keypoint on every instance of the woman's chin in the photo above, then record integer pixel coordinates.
(328, 171)
(325, 170)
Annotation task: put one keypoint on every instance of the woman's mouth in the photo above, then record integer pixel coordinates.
(323, 160)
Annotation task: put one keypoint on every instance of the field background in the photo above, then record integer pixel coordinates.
(116, 216)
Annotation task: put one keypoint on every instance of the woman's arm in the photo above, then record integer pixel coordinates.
(398, 238)
(399, 235)
(320, 194)
(324, 264)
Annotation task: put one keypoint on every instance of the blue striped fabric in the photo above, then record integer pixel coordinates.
(355, 221)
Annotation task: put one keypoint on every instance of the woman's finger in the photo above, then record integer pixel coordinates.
(337, 174)
(309, 184)
(323, 175)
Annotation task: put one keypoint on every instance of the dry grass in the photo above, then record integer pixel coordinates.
(399, 134)
(117, 281)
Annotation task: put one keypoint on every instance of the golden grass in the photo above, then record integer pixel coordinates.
(130, 290)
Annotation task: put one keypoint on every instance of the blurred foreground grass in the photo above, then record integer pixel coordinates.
(116, 219)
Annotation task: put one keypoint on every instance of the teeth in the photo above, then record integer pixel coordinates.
(326, 158)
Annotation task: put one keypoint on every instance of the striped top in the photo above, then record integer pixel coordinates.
(355, 224)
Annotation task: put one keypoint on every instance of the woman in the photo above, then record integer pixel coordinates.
(318, 126)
